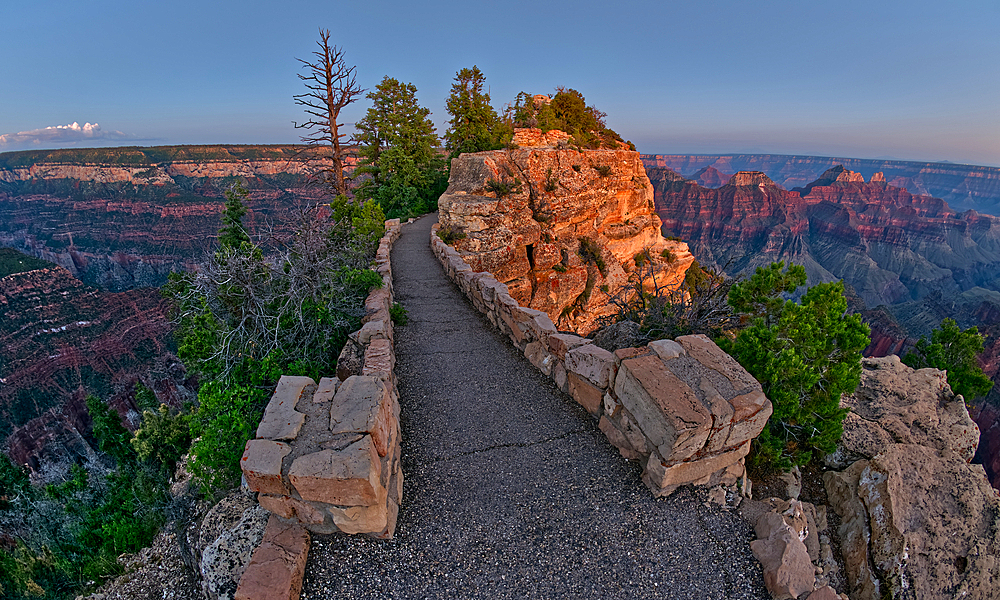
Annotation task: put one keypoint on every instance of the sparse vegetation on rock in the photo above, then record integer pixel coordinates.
(953, 350)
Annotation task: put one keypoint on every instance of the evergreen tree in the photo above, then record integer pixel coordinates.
(397, 151)
(805, 355)
(953, 350)
(474, 125)
(232, 234)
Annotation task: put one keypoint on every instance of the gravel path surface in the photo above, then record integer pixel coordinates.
(510, 489)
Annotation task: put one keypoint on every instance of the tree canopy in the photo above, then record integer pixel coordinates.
(953, 350)
(474, 125)
(566, 111)
(805, 355)
(397, 148)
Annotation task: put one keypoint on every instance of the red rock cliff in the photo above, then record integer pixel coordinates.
(561, 227)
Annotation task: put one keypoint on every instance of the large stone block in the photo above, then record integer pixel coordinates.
(562, 343)
(281, 421)
(372, 518)
(348, 477)
(666, 409)
(363, 405)
(663, 479)
(261, 466)
(325, 390)
(746, 424)
(288, 507)
(722, 417)
(709, 354)
(596, 364)
(276, 569)
(379, 359)
(537, 355)
(587, 394)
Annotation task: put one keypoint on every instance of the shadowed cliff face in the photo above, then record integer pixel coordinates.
(889, 245)
(564, 233)
(61, 340)
(963, 187)
(124, 218)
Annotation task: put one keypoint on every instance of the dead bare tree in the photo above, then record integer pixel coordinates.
(332, 86)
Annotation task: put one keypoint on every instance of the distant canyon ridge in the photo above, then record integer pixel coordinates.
(122, 218)
(963, 187)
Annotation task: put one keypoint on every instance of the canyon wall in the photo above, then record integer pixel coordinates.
(61, 340)
(123, 218)
(562, 228)
(962, 186)
(889, 245)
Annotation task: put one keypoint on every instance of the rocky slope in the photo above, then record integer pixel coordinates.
(561, 227)
(962, 186)
(125, 217)
(61, 340)
(917, 520)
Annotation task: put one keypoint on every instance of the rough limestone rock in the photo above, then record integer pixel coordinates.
(224, 560)
(917, 520)
(275, 572)
(788, 572)
(560, 227)
(898, 405)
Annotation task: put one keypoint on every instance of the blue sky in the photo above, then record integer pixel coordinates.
(909, 80)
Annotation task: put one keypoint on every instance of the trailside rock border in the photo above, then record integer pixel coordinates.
(326, 456)
(684, 408)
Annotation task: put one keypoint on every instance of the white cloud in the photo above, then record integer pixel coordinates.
(60, 136)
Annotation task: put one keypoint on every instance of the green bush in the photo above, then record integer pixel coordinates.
(164, 436)
(805, 355)
(590, 251)
(603, 170)
(955, 351)
(398, 314)
(503, 187)
(449, 235)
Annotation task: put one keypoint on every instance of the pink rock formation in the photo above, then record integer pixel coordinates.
(562, 228)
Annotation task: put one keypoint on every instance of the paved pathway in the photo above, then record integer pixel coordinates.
(510, 489)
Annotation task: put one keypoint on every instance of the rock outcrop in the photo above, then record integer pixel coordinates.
(560, 227)
(917, 520)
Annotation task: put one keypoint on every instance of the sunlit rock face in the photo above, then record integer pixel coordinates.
(561, 227)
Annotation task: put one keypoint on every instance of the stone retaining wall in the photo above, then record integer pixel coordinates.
(327, 455)
(683, 407)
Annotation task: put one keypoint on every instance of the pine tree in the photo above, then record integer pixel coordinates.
(232, 234)
(397, 150)
(474, 125)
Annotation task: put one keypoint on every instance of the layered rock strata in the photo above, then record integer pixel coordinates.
(889, 245)
(683, 408)
(962, 186)
(561, 228)
(917, 519)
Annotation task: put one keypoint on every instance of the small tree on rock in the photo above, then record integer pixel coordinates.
(953, 350)
(805, 355)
